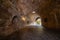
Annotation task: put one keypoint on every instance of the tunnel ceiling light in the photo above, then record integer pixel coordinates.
(33, 12)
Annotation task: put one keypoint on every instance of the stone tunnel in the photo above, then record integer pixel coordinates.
(19, 20)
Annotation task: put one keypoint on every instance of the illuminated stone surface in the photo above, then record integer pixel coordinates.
(12, 10)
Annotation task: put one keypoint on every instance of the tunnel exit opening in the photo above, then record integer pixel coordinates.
(35, 20)
(38, 21)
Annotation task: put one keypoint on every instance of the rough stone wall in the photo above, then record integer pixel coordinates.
(11, 11)
(47, 9)
(9, 18)
(49, 12)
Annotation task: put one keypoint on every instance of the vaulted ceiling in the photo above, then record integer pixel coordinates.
(49, 10)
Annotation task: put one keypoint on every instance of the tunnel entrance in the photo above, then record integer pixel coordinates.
(34, 20)
(37, 22)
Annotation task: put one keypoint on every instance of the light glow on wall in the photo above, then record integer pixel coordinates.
(23, 18)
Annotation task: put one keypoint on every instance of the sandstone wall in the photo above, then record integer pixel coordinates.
(9, 17)
(49, 11)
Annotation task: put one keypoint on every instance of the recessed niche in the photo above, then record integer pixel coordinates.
(45, 19)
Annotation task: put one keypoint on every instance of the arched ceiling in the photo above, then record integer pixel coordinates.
(28, 5)
(49, 10)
